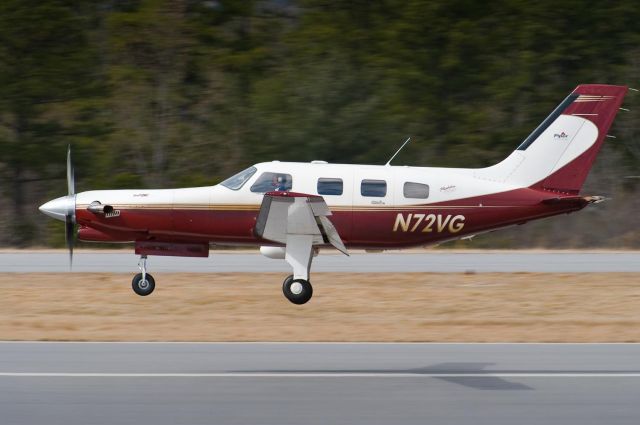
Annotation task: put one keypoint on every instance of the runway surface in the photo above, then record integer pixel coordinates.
(433, 261)
(191, 383)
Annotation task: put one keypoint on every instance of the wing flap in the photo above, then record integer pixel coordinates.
(332, 235)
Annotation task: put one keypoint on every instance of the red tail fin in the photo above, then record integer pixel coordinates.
(599, 104)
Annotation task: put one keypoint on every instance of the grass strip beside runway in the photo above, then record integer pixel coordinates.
(447, 307)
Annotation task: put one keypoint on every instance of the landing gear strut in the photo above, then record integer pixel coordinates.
(143, 283)
(298, 253)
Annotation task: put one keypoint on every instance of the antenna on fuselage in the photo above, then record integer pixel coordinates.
(398, 151)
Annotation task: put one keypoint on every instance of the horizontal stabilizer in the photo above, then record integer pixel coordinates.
(580, 201)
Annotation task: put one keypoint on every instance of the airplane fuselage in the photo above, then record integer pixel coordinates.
(378, 207)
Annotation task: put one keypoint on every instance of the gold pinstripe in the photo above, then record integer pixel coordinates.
(245, 207)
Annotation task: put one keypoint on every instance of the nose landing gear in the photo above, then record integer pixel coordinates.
(143, 283)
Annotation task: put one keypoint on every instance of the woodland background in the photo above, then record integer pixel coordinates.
(181, 93)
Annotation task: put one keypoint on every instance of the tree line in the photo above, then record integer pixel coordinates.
(160, 93)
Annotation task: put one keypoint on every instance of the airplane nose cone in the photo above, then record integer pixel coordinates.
(59, 207)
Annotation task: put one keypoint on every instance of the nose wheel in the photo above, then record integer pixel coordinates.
(143, 286)
(298, 291)
(143, 283)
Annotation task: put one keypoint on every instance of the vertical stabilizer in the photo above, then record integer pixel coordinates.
(598, 105)
(559, 153)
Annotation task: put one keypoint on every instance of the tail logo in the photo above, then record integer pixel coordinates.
(562, 135)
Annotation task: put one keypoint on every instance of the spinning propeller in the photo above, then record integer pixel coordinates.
(70, 217)
(64, 208)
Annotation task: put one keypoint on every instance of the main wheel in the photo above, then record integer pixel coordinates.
(143, 287)
(298, 291)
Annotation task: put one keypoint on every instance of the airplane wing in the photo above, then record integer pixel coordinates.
(283, 214)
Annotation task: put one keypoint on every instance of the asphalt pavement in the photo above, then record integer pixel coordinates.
(278, 383)
(397, 261)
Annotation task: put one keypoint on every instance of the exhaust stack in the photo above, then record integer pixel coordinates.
(97, 208)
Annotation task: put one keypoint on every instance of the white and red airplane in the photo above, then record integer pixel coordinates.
(292, 209)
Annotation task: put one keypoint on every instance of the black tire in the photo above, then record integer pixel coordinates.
(303, 286)
(141, 288)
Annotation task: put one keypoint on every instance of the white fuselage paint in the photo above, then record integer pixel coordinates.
(445, 184)
(563, 141)
(521, 169)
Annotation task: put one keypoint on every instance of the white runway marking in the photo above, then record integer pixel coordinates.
(322, 375)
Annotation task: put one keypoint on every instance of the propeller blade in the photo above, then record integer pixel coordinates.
(70, 219)
(71, 183)
(69, 236)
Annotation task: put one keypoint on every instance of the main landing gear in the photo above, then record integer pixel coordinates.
(143, 283)
(298, 291)
(298, 253)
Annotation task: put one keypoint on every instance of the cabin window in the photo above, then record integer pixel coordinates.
(416, 190)
(328, 186)
(269, 182)
(236, 181)
(374, 188)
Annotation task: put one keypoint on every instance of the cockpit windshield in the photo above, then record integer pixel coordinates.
(235, 182)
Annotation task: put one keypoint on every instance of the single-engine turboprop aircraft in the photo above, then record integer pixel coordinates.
(292, 209)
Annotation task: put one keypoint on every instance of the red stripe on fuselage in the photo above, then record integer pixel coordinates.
(359, 227)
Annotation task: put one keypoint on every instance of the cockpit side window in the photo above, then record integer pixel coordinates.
(269, 182)
(236, 181)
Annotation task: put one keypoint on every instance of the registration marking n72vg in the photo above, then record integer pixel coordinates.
(427, 223)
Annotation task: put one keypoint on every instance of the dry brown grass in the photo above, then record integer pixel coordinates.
(590, 307)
